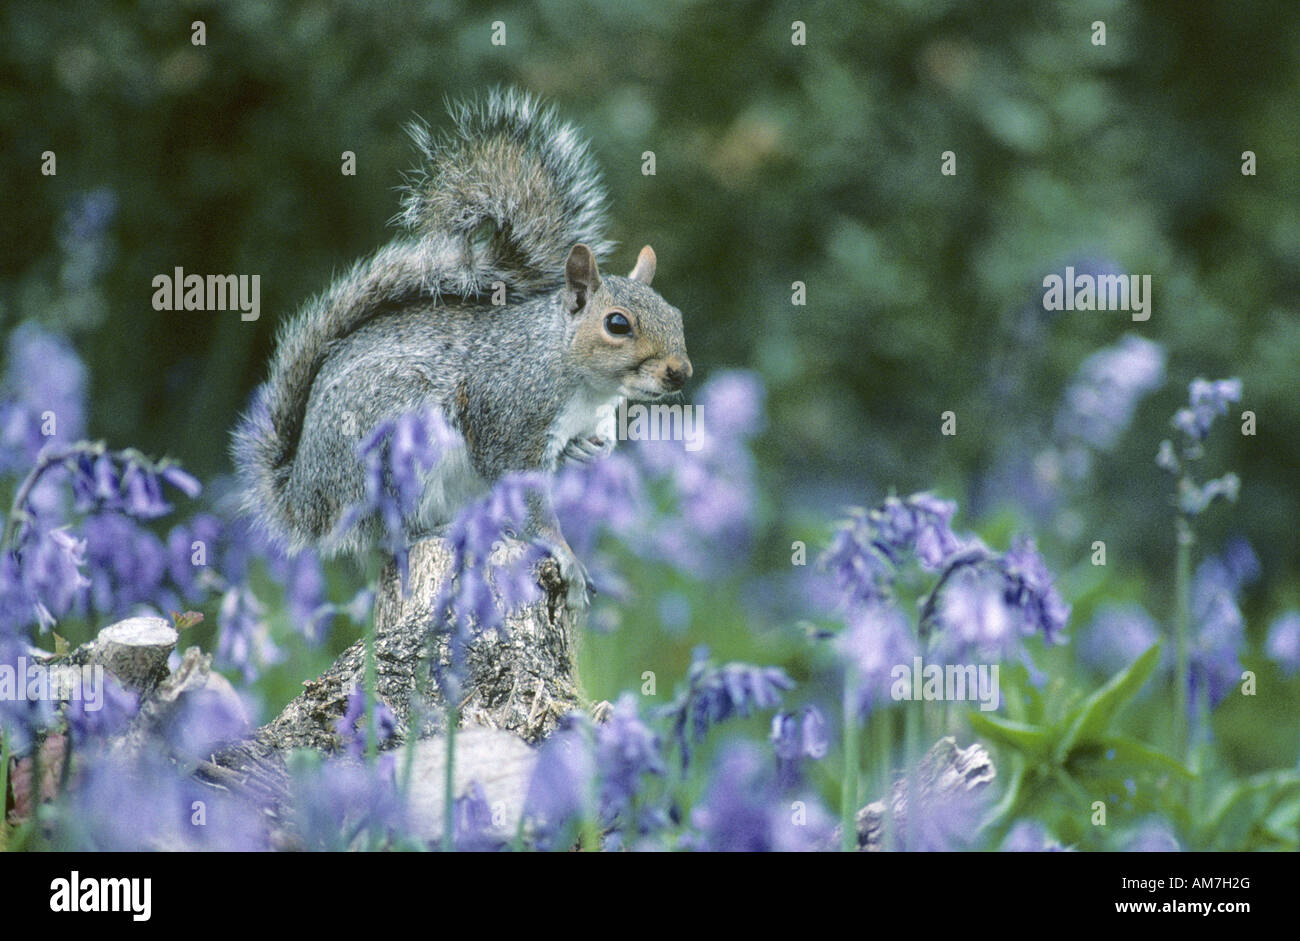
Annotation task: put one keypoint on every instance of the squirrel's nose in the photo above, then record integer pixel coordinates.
(676, 372)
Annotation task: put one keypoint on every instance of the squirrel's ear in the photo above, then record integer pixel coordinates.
(581, 279)
(645, 266)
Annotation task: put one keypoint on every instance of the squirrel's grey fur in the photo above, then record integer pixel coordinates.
(509, 195)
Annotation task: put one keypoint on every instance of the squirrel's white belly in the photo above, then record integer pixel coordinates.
(449, 486)
(586, 414)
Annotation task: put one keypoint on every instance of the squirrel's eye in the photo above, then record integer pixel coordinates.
(618, 324)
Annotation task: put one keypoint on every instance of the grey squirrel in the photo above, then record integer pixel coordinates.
(507, 204)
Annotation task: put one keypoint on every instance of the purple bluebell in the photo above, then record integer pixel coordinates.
(113, 712)
(975, 617)
(1029, 836)
(1283, 644)
(20, 718)
(743, 810)
(714, 694)
(796, 736)
(396, 455)
(605, 495)
(205, 721)
(1207, 400)
(562, 790)
(145, 803)
(353, 729)
(1031, 590)
(1152, 836)
(1100, 400)
(126, 564)
(876, 640)
(245, 641)
(859, 568)
(338, 802)
(43, 391)
(48, 570)
(626, 750)
(732, 403)
(1117, 635)
(473, 821)
(1218, 634)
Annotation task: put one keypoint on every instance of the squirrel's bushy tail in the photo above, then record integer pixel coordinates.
(501, 196)
(514, 182)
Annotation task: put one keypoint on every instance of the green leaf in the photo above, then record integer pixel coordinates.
(1090, 722)
(1031, 740)
(1276, 785)
(1130, 757)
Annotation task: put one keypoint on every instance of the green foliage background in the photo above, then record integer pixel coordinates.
(775, 163)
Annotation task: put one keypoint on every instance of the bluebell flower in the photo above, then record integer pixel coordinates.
(561, 792)
(354, 729)
(88, 218)
(119, 705)
(47, 572)
(245, 640)
(602, 496)
(1031, 590)
(733, 404)
(861, 570)
(796, 736)
(626, 750)
(206, 721)
(1152, 836)
(1117, 636)
(714, 694)
(1029, 836)
(710, 483)
(181, 480)
(44, 379)
(877, 639)
(1213, 654)
(976, 619)
(126, 564)
(341, 799)
(743, 810)
(1208, 399)
(124, 482)
(146, 803)
(1283, 644)
(1099, 402)
(1241, 562)
(473, 821)
(397, 455)
(21, 718)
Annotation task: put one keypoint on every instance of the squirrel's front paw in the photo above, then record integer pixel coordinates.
(577, 580)
(585, 450)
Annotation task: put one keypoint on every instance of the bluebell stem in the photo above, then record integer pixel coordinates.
(1207, 400)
